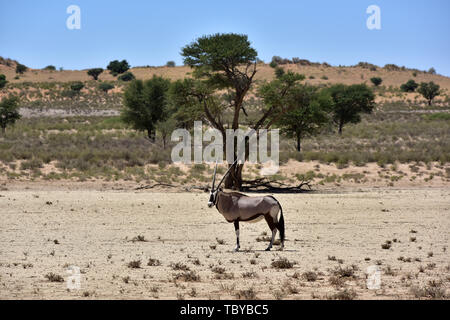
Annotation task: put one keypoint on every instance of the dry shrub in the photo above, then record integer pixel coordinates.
(282, 263)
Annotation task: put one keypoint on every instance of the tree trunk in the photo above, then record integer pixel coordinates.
(151, 135)
(3, 130)
(298, 142)
(430, 101)
(164, 137)
(234, 178)
(340, 128)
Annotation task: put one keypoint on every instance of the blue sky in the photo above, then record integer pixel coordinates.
(413, 33)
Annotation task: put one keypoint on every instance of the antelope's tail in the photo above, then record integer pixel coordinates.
(281, 224)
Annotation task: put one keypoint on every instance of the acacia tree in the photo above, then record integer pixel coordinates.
(376, 81)
(349, 102)
(9, 112)
(165, 129)
(409, 86)
(118, 67)
(145, 104)
(222, 62)
(429, 91)
(76, 86)
(20, 68)
(225, 63)
(308, 115)
(95, 72)
(3, 81)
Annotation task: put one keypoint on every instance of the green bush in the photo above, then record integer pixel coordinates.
(76, 86)
(105, 86)
(118, 67)
(95, 72)
(409, 86)
(128, 76)
(273, 64)
(20, 68)
(376, 81)
(437, 116)
(3, 81)
(429, 90)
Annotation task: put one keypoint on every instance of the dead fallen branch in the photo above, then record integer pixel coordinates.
(265, 185)
(166, 185)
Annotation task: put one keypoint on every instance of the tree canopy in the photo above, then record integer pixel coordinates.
(429, 90)
(76, 86)
(95, 72)
(409, 86)
(3, 81)
(349, 102)
(376, 81)
(118, 67)
(9, 111)
(308, 113)
(20, 68)
(145, 104)
(127, 76)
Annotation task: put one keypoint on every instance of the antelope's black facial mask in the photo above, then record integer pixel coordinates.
(212, 199)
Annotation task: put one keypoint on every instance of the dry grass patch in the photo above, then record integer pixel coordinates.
(135, 264)
(187, 276)
(310, 276)
(53, 277)
(249, 274)
(153, 262)
(433, 290)
(179, 266)
(282, 263)
(344, 272)
(346, 294)
(246, 294)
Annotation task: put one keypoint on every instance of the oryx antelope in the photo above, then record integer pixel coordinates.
(237, 207)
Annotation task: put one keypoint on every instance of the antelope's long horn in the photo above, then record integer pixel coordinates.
(214, 177)
(226, 173)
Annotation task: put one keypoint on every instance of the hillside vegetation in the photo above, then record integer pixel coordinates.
(401, 131)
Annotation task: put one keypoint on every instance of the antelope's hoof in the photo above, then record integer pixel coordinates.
(236, 249)
(268, 249)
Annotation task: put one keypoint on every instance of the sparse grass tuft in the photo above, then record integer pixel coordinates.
(346, 294)
(310, 276)
(139, 238)
(433, 290)
(346, 272)
(282, 263)
(249, 274)
(52, 277)
(135, 264)
(187, 276)
(246, 294)
(153, 262)
(179, 266)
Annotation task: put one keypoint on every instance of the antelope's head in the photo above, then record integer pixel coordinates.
(213, 192)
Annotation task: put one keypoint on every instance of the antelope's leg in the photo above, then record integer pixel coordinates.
(272, 227)
(236, 229)
(274, 233)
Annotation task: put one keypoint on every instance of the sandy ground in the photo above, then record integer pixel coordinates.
(44, 232)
